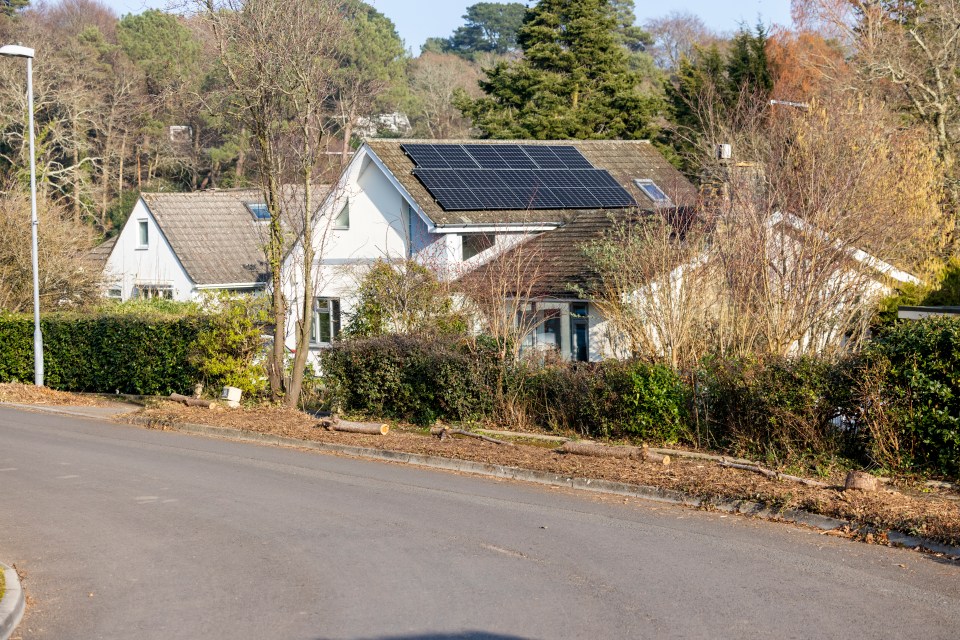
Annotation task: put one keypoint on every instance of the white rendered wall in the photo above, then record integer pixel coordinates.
(379, 230)
(130, 264)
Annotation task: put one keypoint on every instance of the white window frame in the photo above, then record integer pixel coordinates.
(345, 209)
(148, 291)
(331, 308)
(665, 201)
(492, 237)
(253, 206)
(143, 234)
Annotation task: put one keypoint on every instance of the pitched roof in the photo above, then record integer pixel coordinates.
(626, 160)
(97, 257)
(553, 263)
(214, 235)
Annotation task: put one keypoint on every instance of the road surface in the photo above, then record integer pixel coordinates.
(130, 533)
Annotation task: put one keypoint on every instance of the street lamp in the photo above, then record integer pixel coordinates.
(16, 51)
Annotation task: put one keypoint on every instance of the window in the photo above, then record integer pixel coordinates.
(343, 218)
(115, 293)
(476, 243)
(144, 235)
(326, 320)
(550, 329)
(153, 291)
(260, 211)
(579, 332)
(655, 193)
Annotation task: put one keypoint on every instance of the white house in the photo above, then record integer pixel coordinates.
(177, 245)
(453, 205)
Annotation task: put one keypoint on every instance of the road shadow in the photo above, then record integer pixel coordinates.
(940, 559)
(463, 635)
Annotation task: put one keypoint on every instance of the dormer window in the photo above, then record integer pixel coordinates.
(655, 193)
(259, 210)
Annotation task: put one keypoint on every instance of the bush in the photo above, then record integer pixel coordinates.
(145, 348)
(920, 363)
(419, 380)
(611, 399)
(423, 380)
(103, 353)
(781, 409)
(228, 351)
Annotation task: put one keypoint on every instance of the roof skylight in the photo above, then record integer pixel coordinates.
(259, 210)
(652, 191)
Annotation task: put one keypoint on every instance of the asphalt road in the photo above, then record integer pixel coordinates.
(129, 533)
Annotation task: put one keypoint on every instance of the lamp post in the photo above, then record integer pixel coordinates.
(16, 51)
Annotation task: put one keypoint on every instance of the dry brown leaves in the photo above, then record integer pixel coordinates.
(929, 516)
(30, 394)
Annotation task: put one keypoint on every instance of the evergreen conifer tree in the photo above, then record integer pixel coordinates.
(574, 80)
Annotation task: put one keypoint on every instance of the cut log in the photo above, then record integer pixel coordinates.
(443, 433)
(861, 481)
(606, 451)
(776, 475)
(191, 402)
(651, 456)
(595, 450)
(371, 428)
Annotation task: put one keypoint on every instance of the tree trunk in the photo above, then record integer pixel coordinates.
(241, 156)
(306, 304)
(372, 428)
(276, 363)
(347, 134)
(191, 402)
(76, 169)
(123, 151)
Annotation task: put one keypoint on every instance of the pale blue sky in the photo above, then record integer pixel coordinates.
(418, 20)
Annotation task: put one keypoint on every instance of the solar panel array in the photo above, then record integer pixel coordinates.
(470, 177)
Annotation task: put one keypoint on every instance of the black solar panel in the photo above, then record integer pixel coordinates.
(509, 176)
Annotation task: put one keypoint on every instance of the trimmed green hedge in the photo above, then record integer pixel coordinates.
(408, 378)
(920, 390)
(427, 379)
(138, 354)
(776, 408)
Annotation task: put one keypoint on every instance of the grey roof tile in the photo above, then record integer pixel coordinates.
(214, 235)
(626, 160)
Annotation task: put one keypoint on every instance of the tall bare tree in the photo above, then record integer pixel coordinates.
(435, 78)
(280, 57)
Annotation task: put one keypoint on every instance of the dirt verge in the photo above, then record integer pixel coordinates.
(933, 515)
(30, 394)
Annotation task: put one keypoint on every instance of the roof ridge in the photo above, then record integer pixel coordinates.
(497, 141)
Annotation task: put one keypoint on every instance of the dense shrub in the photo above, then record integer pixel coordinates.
(420, 380)
(920, 391)
(781, 409)
(104, 353)
(614, 399)
(146, 347)
(895, 406)
(423, 380)
(229, 350)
